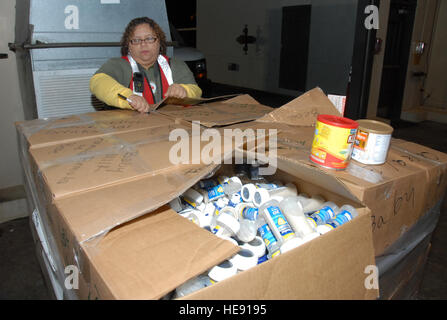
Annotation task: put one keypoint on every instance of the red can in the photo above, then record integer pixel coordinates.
(333, 141)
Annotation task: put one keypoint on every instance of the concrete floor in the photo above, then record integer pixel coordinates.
(21, 277)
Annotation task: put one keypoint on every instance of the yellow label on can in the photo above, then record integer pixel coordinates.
(332, 146)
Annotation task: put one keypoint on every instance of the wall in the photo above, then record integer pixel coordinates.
(436, 82)
(219, 23)
(425, 18)
(10, 103)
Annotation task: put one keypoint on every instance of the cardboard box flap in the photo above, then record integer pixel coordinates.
(91, 215)
(216, 113)
(88, 164)
(41, 132)
(149, 257)
(302, 168)
(303, 111)
(188, 101)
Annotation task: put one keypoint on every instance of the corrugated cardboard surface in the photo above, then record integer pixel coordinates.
(110, 219)
(315, 270)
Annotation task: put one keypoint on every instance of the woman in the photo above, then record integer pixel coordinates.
(144, 75)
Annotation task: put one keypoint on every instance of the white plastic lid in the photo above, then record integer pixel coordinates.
(233, 241)
(322, 229)
(244, 259)
(222, 271)
(229, 222)
(248, 191)
(236, 179)
(261, 195)
(229, 211)
(257, 246)
(291, 244)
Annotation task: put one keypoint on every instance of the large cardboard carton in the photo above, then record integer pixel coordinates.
(111, 221)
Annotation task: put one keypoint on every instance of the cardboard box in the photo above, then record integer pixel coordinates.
(410, 182)
(115, 227)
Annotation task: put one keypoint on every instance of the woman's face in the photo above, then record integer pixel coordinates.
(145, 53)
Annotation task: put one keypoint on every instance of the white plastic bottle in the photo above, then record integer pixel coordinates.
(247, 230)
(212, 194)
(226, 223)
(293, 211)
(247, 211)
(232, 186)
(272, 245)
(346, 214)
(276, 220)
(234, 199)
(193, 285)
(262, 195)
(193, 197)
(312, 204)
(323, 215)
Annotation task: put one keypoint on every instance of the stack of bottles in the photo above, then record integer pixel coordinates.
(264, 219)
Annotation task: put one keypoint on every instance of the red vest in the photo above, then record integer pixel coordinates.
(147, 91)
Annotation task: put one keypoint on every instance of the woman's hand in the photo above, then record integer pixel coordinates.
(139, 103)
(176, 91)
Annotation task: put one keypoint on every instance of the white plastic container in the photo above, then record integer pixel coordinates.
(262, 195)
(247, 230)
(257, 246)
(247, 211)
(193, 285)
(293, 210)
(272, 245)
(312, 204)
(212, 194)
(193, 197)
(277, 222)
(222, 271)
(345, 214)
(226, 224)
(232, 186)
(372, 142)
(244, 259)
(323, 215)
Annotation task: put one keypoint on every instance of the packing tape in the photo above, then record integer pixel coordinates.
(222, 271)
(257, 246)
(228, 222)
(244, 259)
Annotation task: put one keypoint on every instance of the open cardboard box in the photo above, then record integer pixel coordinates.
(110, 217)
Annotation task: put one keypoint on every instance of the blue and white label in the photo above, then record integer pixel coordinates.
(343, 217)
(322, 216)
(250, 213)
(215, 192)
(268, 237)
(268, 186)
(235, 200)
(280, 222)
(262, 259)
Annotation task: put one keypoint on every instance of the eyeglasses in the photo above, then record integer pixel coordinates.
(140, 41)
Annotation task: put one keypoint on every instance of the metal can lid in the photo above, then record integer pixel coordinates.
(374, 126)
(337, 121)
